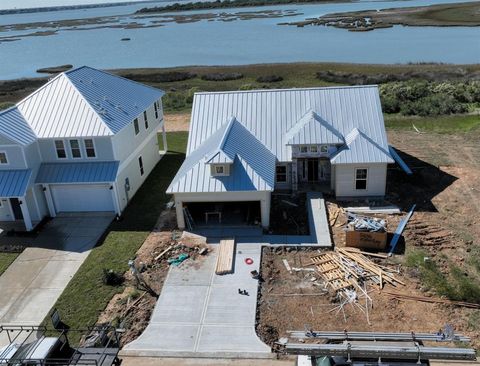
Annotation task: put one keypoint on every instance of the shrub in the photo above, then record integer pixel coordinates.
(163, 77)
(112, 278)
(269, 79)
(6, 105)
(222, 76)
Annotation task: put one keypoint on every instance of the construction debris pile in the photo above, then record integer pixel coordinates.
(349, 273)
(364, 223)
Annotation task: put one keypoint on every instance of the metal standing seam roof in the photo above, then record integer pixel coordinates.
(83, 102)
(275, 117)
(14, 183)
(77, 172)
(359, 148)
(234, 144)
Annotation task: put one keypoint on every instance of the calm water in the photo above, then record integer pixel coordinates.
(232, 43)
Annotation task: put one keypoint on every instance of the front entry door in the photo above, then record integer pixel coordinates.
(17, 210)
(312, 170)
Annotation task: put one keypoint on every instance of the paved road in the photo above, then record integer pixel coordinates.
(200, 314)
(35, 280)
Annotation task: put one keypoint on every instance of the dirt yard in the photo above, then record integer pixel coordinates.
(445, 226)
(177, 121)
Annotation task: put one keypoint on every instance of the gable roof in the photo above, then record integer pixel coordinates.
(276, 119)
(15, 128)
(82, 102)
(234, 144)
(311, 129)
(361, 149)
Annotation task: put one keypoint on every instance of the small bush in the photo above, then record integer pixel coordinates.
(269, 79)
(164, 77)
(6, 105)
(222, 76)
(247, 87)
(112, 278)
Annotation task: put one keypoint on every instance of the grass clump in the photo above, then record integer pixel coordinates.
(219, 76)
(456, 285)
(6, 259)
(269, 79)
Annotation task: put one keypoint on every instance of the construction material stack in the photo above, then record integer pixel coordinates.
(366, 232)
(225, 259)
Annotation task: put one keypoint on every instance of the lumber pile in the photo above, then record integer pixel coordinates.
(225, 257)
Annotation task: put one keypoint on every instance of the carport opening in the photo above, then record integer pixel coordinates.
(225, 213)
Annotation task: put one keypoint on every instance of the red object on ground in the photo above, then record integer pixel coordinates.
(249, 260)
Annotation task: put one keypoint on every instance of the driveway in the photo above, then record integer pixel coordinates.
(34, 281)
(200, 314)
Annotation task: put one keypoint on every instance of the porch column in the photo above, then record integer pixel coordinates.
(265, 210)
(48, 197)
(164, 137)
(180, 218)
(26, 214)
(294, 174)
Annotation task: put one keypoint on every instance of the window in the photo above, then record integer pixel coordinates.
(361, 179)
(140, 164)
(60, 148)
(75, 149)
(324, 148)
(156, 110)
(135, 126)
(303, 149)
(219, 169)
(146, 119)
(89, 148)
(314, 148)
(281, 171)
(3, 158)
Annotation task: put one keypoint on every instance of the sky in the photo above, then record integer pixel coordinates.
(19, 4)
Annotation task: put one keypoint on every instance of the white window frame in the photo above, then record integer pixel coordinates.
(94, 149)
(140, 165)
(301, 147)
(6, 158)
(79, 148)
(314, 149)
(145, 118)
(286, 173)
(56, 150)
(136, 127)
(324, 149)
(361, 179)
(225, 170)
(155, 106)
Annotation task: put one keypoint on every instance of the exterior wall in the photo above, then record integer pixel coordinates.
(5, 210)
(103, 150)
(130, 169)
(125, 142)
(263, 197)
(15, 157)
(345, 180)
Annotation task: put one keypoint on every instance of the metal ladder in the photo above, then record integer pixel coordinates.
(188, 219)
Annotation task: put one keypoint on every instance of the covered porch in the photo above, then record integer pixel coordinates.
(312, 174)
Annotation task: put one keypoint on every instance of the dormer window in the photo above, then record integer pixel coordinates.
(314, 149)
(220, 170)
(304, 149)
(324, 149)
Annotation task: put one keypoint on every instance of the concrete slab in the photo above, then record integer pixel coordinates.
(35, 280)
(194, 297)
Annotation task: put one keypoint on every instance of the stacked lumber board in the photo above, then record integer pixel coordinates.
(226, 255)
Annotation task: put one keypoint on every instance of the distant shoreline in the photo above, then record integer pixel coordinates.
(72, 7)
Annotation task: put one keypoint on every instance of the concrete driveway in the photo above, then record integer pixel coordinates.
(200, 314)
(35, 280)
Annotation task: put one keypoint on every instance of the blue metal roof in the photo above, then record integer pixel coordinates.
(90, 172)
(15, 128)
(14, 183)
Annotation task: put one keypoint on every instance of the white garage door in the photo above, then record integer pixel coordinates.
(82, 197)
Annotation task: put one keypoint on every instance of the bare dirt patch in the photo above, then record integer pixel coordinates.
(177, 121)
(444, 226)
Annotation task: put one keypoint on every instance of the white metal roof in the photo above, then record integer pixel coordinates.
(83, 102)
(232, 143)
(278, 118)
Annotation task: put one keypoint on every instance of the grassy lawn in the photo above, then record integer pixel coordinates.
(86, 295)
(440, 124)
(6, 259)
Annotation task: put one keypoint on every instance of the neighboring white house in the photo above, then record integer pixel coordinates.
(245, 144)
(85, 141)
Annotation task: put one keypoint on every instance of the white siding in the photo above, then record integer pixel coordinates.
(131, 170)
(103, 150)
(125, 142)
(345, 180)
